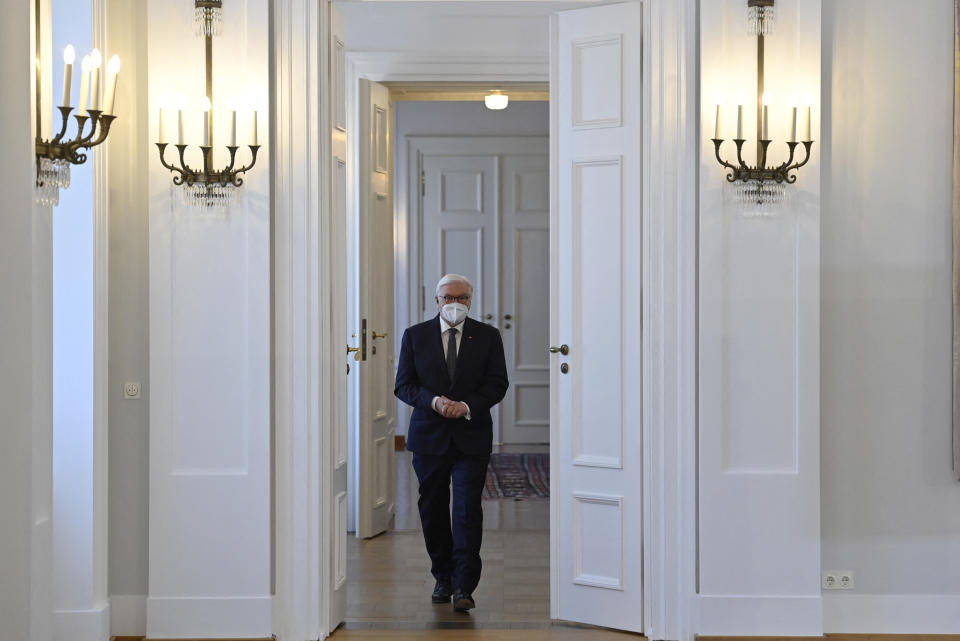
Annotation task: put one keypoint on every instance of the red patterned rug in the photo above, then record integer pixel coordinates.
(517, 477)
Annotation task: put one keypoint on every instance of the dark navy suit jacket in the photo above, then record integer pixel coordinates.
(480, 381)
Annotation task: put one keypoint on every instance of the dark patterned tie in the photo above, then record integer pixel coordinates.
(452, 353)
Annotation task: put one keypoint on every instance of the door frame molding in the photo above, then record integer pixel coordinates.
(303, 415)
(670, 176)
(306, 280)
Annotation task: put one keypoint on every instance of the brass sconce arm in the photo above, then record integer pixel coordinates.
(69, 151)
(184, 174)
(761, 173)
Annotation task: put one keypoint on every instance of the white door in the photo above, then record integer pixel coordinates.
(595, 400)
(525, 295)
(338, 169)
(460, 217)
(376, 410)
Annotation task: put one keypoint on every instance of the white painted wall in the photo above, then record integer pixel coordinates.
(461, 27)
(26, 384)
(210, 459)
(890, 506)
(759, 386)
(520, 118)
(130, 156)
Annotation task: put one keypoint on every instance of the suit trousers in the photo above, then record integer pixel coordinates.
(452, 536)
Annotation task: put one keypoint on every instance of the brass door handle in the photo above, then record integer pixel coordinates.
(488, 316)
(356, 352)
(377, 335)
(563, 349)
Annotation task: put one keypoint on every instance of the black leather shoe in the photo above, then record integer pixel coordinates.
(441, 593)
(463, 602)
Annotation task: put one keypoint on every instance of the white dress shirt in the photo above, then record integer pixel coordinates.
(444, 340)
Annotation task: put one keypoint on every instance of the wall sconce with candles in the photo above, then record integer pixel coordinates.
(761, 183)
(207, 187)
(55, 156)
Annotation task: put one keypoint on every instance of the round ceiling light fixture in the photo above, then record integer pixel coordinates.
(496, 100)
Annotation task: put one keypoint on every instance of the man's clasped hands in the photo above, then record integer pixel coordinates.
(451, 409)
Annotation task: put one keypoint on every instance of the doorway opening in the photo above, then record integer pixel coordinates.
(591, 571)
(471, 196)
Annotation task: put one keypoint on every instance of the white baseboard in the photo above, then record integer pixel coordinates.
(82, 625)
(891, 613)
(242, 617)
(761, 616)
(128, 615)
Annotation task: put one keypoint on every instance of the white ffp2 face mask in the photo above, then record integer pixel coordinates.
(454, 313)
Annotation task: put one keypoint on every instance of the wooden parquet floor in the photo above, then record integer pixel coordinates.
(392, 582)
(389, 582)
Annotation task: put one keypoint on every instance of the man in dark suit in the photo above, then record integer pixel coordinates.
(451, 371)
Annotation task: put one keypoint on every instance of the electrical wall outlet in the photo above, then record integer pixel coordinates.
(131, 390)
(845, 578)
(837, 580)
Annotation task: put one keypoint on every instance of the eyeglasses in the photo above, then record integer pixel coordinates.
(455, 299)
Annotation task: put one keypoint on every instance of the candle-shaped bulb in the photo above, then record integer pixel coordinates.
(113, 71)
(716, 124)
(69, 55)
(793, 121)
(96, 61)
(808, 99)
(765, 129)
(84, 84)
(206, 121)
(740, 101)
(253, 133)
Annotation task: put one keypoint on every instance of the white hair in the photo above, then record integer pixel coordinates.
(454, 278)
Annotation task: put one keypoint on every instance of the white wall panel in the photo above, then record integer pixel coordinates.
(760, 300)
(210, 528)
(759, 378)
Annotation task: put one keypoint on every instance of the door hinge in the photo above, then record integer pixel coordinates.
(423, 183)
(423, 298)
